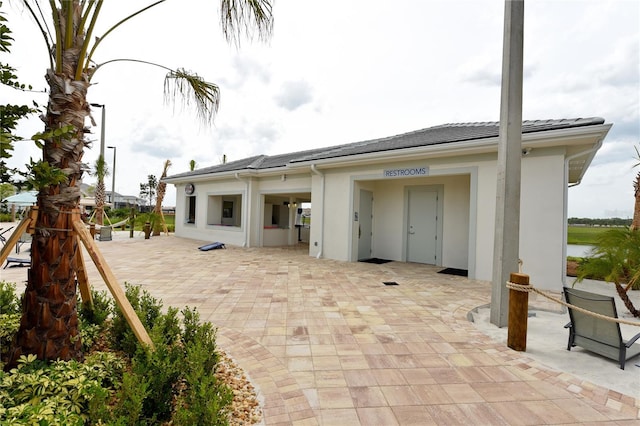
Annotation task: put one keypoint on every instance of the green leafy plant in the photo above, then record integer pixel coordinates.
(615, 258)
(148, 310)
(174, 384)
(9, 302)
(57, 393)
(98, 312)
(41, 175)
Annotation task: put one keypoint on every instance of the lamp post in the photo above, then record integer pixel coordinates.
(113, 178)
(102, 126)
(100, 208)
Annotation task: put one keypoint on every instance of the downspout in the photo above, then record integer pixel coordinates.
(315, 170)
(565, 225)
(247, 208)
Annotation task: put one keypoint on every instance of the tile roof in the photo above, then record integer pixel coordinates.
(442, 134)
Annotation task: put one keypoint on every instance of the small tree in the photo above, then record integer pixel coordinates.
(148, 189)
(616, 255)
(616, 258)
(100, 171)
(9, 114)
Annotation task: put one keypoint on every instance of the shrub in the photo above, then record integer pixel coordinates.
(174, 383)
(56, 393)
(99, 311)
(148, 310)
(9, 302)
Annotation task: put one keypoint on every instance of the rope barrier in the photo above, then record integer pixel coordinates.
(531, 289)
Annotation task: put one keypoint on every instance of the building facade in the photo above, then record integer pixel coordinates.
(427, 196)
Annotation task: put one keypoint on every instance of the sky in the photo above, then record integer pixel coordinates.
(338, 71)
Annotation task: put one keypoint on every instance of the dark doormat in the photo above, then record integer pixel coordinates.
(375, 260)
(455, 271)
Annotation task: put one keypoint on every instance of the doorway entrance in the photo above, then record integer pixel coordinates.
(423, 239)
(365, 224)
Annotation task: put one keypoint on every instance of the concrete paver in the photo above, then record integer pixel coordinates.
(326, 342)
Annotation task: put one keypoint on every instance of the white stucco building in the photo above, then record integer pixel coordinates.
(426, 196)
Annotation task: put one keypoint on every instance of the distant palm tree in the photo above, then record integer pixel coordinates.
(49, 324)
(100, 170)
(160, 192)
(635, 223)
(192, 165)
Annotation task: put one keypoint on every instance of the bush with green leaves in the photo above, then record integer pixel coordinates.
(176, 378)
(173, 382)
(616, 259)
(9, 316)
(59, 392)
(148, 310)
(9, 302)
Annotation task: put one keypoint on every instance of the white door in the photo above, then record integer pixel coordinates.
(365, 221)
(422, 226)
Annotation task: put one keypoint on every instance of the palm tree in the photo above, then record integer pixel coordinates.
(49, 324)
(635, 223)
(101, 171)
(160, 191)
(616, 255)
(616, 258)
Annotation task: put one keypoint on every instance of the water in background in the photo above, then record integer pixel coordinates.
(578, 250)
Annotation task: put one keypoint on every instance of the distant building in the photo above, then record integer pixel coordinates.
(427, 196)
(119, 201)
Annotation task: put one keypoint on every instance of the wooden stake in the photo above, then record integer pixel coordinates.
(518, 314)
(112, 283)
(83, 279)
(81, 272)
(22, 227)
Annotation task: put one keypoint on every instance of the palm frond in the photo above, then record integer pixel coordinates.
(100, 168)
(193, 89)
(243, 16)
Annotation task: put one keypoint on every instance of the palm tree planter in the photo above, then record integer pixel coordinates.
(49, 324)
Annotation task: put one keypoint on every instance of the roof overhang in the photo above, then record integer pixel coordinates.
(579, 143)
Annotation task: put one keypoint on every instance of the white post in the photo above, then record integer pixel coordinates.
(507, 225)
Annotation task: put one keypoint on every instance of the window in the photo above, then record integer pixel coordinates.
(191, 209)
(227, 209)
(224, 210)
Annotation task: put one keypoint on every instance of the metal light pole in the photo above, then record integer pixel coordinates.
(102, 126)
(100, 209)
(113, 178)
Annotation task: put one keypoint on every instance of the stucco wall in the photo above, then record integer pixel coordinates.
(541, 218)
(468, 218)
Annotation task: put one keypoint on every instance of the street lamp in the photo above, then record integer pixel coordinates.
(113, 179)
(102, 126)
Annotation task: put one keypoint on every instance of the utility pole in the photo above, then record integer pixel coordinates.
(507, 225)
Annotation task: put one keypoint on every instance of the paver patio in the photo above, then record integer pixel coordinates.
(326, 342)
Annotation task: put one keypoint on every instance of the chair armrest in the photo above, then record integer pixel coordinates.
(632, 340)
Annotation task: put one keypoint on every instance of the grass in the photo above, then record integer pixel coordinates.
(584, 234)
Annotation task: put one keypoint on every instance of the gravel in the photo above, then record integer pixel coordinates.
(245, 408)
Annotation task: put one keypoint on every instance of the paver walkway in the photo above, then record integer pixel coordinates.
(326, 342)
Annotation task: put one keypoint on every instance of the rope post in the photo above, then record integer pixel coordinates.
(518, 314)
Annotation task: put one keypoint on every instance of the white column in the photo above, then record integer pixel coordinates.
(507, 228)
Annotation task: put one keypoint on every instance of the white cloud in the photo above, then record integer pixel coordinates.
(294, 94)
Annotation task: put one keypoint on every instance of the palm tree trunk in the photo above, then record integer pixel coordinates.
(635, 223)
(625, 299)
(49, 323)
